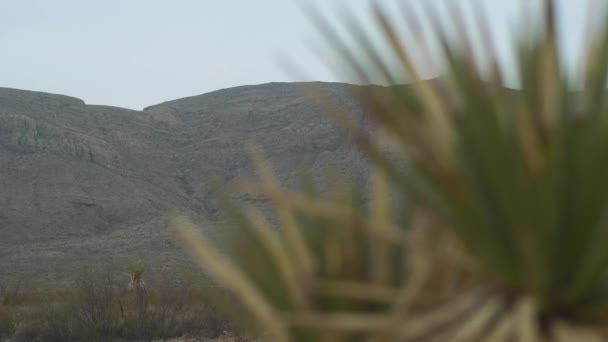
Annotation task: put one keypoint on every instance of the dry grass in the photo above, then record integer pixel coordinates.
(100, 308)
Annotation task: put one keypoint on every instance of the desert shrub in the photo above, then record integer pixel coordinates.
(99, 308)
(48, 322)
(173, 310)
(95, 308)
(7, 322)
(11, 293)
(90, 312)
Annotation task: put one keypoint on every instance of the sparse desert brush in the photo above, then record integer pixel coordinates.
(103, 307)
(7, 322)
(508, 195)
(11, 293)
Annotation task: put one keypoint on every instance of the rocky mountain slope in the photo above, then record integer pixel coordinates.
(85, 185)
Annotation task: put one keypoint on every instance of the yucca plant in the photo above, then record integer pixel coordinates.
(507, 237)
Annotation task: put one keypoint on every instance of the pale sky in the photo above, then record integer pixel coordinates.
(136, 53)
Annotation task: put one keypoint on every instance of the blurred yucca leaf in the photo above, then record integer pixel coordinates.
(508, 237)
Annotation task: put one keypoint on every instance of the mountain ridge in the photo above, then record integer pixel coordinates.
(75, 174)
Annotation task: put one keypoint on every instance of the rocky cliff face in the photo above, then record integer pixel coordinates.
(81, 184)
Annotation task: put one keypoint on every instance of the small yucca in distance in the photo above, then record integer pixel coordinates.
(508, 195)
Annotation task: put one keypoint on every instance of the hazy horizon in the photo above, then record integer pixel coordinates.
(141, 52)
